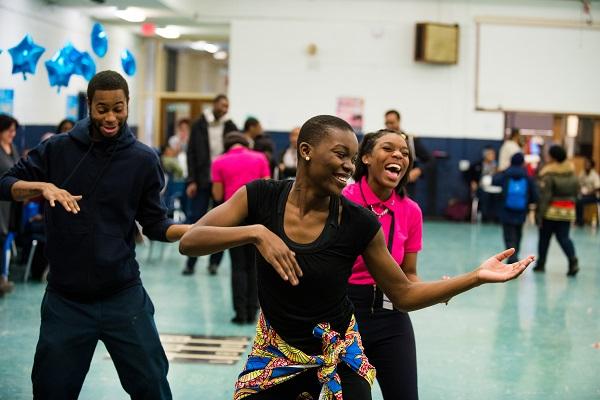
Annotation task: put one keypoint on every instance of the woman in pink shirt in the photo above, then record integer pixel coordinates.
(382, 166)
(230, 171)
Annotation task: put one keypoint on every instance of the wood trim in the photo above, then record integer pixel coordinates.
(542, 22)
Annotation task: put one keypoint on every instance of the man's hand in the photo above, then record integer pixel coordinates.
(64, 198)
(276, 253)
(493, 270)
(191, 190)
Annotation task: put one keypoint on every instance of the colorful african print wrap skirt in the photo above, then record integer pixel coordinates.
(272, 361)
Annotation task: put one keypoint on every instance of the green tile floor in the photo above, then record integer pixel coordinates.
(529, 339)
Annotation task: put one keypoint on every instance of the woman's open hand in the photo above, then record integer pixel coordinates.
(494, 270)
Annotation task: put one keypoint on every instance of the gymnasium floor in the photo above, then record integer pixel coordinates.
(529, 339)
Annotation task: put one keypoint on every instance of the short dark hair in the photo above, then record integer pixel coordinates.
(184, 121)
(64, 122)
(396, 113)
(107, 80)
(220, 97)
(317, 128)
(557, 153)
(514, 132)
(591, 161)
(264, 144)
(233, 138)
(6, 121)
(366, 147)
(250, 122)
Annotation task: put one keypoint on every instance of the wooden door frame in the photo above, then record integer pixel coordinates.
(196, 101)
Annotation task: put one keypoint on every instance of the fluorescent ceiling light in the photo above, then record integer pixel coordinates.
(204, 46)
(168, 32)
(131, 14)
(220, 55)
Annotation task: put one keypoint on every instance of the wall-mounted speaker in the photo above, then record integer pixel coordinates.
(436, 43)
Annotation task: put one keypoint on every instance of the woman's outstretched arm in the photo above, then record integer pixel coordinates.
(221, 228)
(409, 296)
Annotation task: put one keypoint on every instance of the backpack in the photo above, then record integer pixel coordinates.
(516, 190)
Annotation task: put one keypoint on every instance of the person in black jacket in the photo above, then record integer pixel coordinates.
(423, 159)
(205, 143)
(515, 202)
(97, 180)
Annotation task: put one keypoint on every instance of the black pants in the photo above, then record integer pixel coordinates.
(354, 386)
(243, 281)
(195, 209)
(561, 230)
(70, 331)
(512, 238)
(389, 342)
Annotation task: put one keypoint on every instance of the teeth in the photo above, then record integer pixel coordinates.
(394, 167)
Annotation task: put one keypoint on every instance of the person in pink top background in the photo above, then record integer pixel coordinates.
(230, 171)
(382, 167)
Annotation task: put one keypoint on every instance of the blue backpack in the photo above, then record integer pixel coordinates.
(516, 194)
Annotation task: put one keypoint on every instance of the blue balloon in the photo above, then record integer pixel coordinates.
(25, 56)
(128, 62)
(99, 40)
(61, 66)
(87, 66)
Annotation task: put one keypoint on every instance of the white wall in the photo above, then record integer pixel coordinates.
(365, 49)
(52, 27)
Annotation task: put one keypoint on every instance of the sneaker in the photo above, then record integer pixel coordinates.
(188, 270)
(573, 267)
(238, 320)
(212, 269)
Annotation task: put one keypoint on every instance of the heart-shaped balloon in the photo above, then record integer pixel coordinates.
(25, 56)
(128, 62)
(99, 40)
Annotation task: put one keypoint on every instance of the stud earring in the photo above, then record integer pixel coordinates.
(307, 158)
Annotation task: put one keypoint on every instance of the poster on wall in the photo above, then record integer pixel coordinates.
(351, 110)
(73, 107)
(7, 101)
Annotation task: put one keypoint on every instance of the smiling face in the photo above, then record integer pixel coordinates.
(108, 112)
(388, 162)
(331, 161)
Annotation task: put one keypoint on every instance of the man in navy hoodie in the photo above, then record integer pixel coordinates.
(98, 180)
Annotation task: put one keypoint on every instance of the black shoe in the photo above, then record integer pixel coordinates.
(212, 269)
(573, 266)
(539, 268)
(238, 320)
(188, 270)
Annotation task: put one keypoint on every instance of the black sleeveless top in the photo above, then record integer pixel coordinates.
(326, 264)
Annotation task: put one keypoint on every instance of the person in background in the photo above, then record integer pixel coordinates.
(307, 341)
(108, 181)
(510, 147)
(480, 179)
(589, 188)
(65, 125)
(556, 208)
(9, 155)
(205, 143)
(382, 167)
(227, 178)
(288, 159)
(518, 192)
(422, 158)
(252, 130)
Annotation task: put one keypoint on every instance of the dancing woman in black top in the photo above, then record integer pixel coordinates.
(308, 237)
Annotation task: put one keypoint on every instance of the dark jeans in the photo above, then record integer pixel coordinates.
(243, 281)
(195, 209)
(69, 333)
(561, 230)
(389, 342)
(354, 386)
(512, 238)
(580, 204)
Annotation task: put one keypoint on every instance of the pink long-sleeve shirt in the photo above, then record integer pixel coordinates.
(408, 225)
(237, 167)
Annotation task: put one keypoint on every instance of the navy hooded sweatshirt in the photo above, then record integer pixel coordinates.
(92, 253)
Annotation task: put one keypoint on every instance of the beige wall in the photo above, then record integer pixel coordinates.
(199, 72)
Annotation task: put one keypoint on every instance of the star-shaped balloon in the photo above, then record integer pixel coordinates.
(25, 56)
(86, 66)
(61, 66)
(99, 40)
(128, 62)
